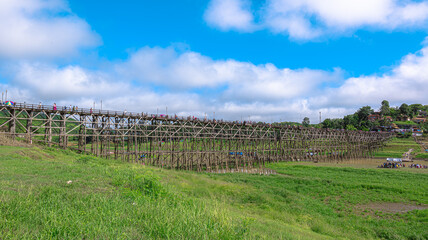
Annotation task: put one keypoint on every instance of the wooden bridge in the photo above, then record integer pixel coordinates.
(183, 142)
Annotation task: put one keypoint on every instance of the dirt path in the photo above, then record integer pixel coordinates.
(389, 207)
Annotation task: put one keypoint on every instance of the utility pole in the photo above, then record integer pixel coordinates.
(320, 117)
(166, 112)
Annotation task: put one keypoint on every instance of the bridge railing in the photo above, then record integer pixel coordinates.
(88, 111)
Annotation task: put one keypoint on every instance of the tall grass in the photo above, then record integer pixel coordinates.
(58, 194)
(82, 198)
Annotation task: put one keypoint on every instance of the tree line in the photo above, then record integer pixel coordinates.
(360, 119)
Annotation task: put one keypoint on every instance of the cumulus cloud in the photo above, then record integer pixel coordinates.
(230, 14)
(239, 80)
(406, 82)
(309, 19)
(242, 90)
(52, 82)
(42, 28)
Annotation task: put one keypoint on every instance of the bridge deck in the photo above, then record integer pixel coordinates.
(183, 142)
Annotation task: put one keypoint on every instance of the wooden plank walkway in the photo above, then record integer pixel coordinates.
(183, 142)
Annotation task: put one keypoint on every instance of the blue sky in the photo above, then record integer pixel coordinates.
(263, 60)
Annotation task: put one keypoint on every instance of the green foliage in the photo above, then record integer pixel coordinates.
(109, 199)
(404, 135)
(363, 113)
(306, 122)
(86, 159)
(396, 147)
(351, 127)
(335, 123)
(415, 109)
(404, 109)
(385, 109)
(422, 156)
(359, 120)
(66, 196)
(146, 184)
(351, 120)
(405, 123)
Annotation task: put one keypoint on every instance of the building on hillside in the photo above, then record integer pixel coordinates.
(388, 118)
(416, 129)
(374, 117)
(419, 119)
(403, 118)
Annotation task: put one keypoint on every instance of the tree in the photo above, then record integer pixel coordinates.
(404, 109)
(415, 109)
(350, 120)
(384, 108)
(327, 123)
(363, 113)
(306, 121)
(350, 127)
(335, 123)
(338, 123)
(393, 112)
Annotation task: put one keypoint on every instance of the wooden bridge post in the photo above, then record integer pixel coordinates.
(81, 139)
(29, 127)
(62, 133)
(12, 123)
(48, 129)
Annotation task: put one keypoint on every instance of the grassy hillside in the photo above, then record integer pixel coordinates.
(397, 146)
(59, 194)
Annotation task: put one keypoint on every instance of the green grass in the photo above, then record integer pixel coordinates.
(405, 123)
(113, 200)
(397, 146)
(422, 155)
(106, 200)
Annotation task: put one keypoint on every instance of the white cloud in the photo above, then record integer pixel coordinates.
(309, 19)
(51, 82)
(234, 88)
(230, 14)
(42, 28)
(241, 80)
(194, 84)
(407, 82)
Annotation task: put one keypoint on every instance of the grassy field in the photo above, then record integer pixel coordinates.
(58, 194)
(397, 146)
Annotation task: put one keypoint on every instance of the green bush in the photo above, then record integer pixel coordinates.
(85, 159)
(405, 135)
(146, 184)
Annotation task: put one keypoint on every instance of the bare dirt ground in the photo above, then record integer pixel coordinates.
(388, 207)
(370, 163)
(8, 141)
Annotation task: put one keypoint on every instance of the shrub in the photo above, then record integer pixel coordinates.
(146, 184)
